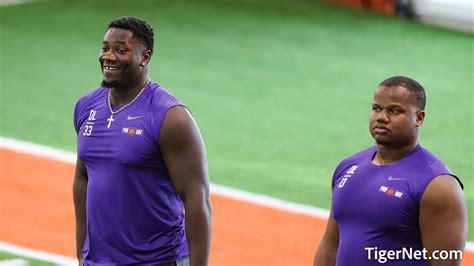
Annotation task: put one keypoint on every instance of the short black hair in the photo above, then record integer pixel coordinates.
(141, 30)
(411, 85)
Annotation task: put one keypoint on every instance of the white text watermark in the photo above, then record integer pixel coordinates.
(382, 255)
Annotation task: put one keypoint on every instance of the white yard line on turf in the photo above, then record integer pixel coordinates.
(13, 2)
(37, 255)
(14, 262)
(267, 201)
(233, 193)
(37, 150)
(470, 246)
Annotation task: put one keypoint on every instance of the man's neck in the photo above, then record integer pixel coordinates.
(387, 155)
(120, 96)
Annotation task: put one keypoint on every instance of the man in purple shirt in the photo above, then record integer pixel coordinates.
(141, 163)
(395, 203)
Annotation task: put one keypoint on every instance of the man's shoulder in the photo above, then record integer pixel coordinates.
(426, 167)
(83, 106)
(94, 95)
(356, 157)
(426, 154)
(352, 161)
(425, 160)
(86, 102)
(159, 93)
(160, 98)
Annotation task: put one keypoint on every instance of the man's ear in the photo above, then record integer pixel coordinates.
(146, 56)
(420, 117)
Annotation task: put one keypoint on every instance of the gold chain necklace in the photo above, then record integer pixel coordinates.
(112, 112)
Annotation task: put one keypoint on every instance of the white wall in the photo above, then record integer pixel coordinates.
(452, 14)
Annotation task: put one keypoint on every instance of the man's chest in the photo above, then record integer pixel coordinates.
(127, 136)
(366, 195)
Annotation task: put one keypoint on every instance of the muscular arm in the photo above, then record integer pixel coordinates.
(79, 191)
(443, 218)
(185, 156)
(327, 251)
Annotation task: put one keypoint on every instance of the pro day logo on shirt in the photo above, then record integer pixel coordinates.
(132, 131)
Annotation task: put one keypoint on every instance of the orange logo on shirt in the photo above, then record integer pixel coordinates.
(132, 131)
(390, 191)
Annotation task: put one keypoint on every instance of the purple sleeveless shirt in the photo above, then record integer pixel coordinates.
(134, 214)
(377, 207)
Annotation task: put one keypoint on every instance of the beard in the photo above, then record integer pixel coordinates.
(111, 84)
(394, 143)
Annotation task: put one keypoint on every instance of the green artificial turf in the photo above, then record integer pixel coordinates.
(281, 90)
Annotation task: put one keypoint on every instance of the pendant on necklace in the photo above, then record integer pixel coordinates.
(110, 119)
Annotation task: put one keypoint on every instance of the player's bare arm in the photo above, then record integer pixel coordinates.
(443, 218)
(79, 191)
(327, 250)
(185, 156)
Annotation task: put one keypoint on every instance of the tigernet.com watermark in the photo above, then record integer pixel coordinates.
(382, 255)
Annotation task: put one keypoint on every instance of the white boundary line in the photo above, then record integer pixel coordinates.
(14, 2)
(469, 246)
(38, 255)
(37, 150)
(233, 193)
(268, 201)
